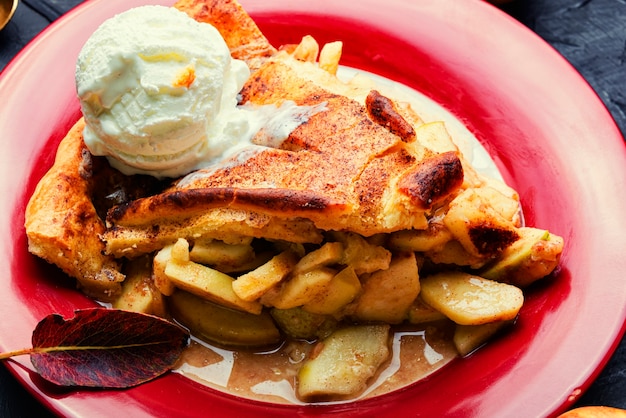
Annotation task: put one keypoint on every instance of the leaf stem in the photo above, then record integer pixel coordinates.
(35, 350)
(9, 354)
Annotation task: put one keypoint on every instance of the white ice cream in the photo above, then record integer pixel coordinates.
(158, 91)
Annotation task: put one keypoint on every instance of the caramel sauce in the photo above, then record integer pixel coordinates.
(270, 376)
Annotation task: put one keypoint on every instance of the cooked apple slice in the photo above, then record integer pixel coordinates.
(217, 324)
(468, 338)
(219, 253)
(363, 256)
(349, 357)
(139, 292)
(421, 313)
(298, 323)
(471, 300)
(161, 281)
(204, 281)
(482, 230)
(328, 254)
(340, 291)
(388, 294)
(422, 240)
(254, 284)
(535, 255)
(299, 289)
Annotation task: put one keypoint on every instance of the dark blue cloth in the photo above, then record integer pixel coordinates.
(31, 17)
(590, 34)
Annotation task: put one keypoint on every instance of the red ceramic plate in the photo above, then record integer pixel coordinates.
(546, 129)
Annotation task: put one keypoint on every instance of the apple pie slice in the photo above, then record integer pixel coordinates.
(361, 213)
(360, 163)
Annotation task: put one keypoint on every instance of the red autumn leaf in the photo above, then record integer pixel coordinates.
(105, 348)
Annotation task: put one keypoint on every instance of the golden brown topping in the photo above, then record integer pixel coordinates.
(491, 239)
(383, 112)
(278, 200)
(242, 35)
(433, 179)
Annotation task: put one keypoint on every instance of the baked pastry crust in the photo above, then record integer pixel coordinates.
(242, 35)
(63, 226)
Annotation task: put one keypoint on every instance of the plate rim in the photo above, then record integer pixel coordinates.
(591, 372)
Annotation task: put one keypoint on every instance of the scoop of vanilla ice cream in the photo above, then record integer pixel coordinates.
(158, 92)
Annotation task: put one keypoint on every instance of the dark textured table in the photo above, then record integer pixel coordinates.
(591, 34)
